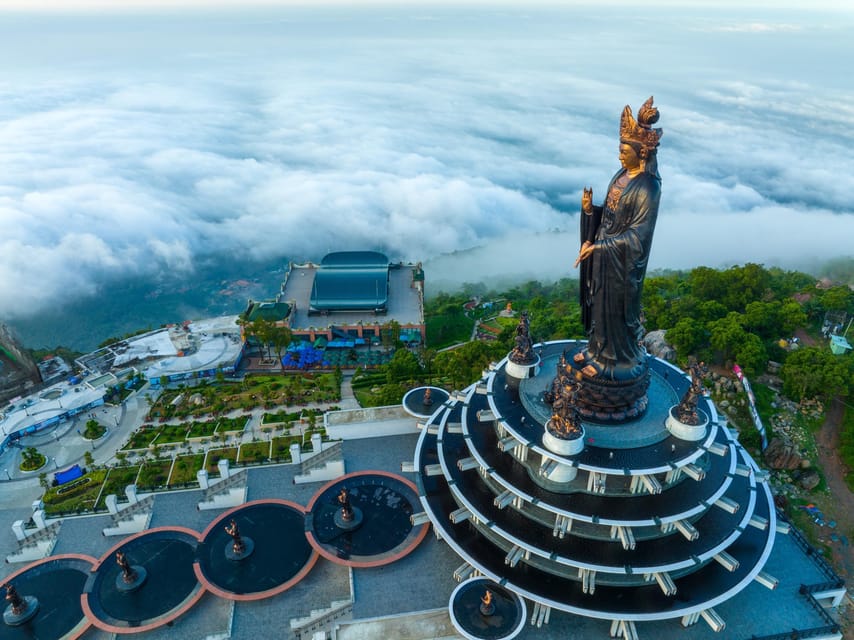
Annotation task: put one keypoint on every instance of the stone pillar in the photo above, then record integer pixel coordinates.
(38, 518)
(690, 619)
(316, 443)
(296, 454)
(112, 503)
(18, 530)
(37, 504)
(202, 477)
(222, 465)
(130, 492)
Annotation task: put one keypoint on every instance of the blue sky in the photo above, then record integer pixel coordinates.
(133, 144)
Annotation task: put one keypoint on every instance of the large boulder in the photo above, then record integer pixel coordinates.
(782, 454)
(656, 345)
(809, 480)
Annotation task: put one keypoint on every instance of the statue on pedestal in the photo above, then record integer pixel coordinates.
(20, 608)
(237, 544)
(686, 410)
(346, 507)
(129, 575)
(616, 238)
(523, 352)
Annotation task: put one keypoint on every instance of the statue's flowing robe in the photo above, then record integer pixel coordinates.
(611, 279)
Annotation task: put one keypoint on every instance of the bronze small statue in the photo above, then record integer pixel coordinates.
(561, 378)
(237, 544)
(565, 422)
(14, 599)
(20, 608)
(686, 411)
(487, 606)
(129, 575)
(132, 577)
(346, 507)
(523, 352)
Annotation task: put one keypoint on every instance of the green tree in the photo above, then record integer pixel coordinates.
(838, 299)
(403, 366)
(727, 335)
(744, 285)
(687, 336)
(706, 283)
(763, 318)
(791, 317)
(280, 338)
(815, 372)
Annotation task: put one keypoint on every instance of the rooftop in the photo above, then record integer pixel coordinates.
(404, 301)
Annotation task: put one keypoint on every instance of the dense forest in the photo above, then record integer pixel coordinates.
(747, 314)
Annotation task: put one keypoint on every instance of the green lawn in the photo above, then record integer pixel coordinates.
(202, 429)
(280, 416)
(76, 496)
(231, 424)
(281, 447)
(172, 433)
(215, 455)
(185, 468)
(254, 452)
(141, 438)
(117, 480)
(154, 474)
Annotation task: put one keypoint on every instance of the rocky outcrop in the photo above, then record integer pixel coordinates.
(657, 346)
(782, 454)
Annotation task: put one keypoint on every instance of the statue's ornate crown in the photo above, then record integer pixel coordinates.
(640, 131)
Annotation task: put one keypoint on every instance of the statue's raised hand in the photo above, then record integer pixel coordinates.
(587, 200)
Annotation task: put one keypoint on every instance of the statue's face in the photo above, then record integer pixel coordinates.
(629, 157)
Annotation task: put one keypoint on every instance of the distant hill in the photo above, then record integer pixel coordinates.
(18, 371)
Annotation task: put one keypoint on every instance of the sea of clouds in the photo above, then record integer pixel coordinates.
(135, 145)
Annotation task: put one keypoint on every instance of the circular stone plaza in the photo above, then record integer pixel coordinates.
(452, 515)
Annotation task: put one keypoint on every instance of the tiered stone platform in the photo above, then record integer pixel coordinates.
(638, 525)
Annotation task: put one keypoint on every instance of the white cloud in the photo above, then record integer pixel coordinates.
(287, 136)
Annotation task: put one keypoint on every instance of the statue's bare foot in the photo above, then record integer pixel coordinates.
(590, 370)
(579, 357)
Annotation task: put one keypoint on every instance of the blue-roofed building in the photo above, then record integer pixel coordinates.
(351, 295)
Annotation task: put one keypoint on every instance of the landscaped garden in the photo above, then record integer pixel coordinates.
(254, 452)
(185, 468)
(94, 430)
(153, 474)
(155, 437)
(215, 398)
(215, 455)
(141, 438)
(31, 459)
(77, 496)
(116, 481)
